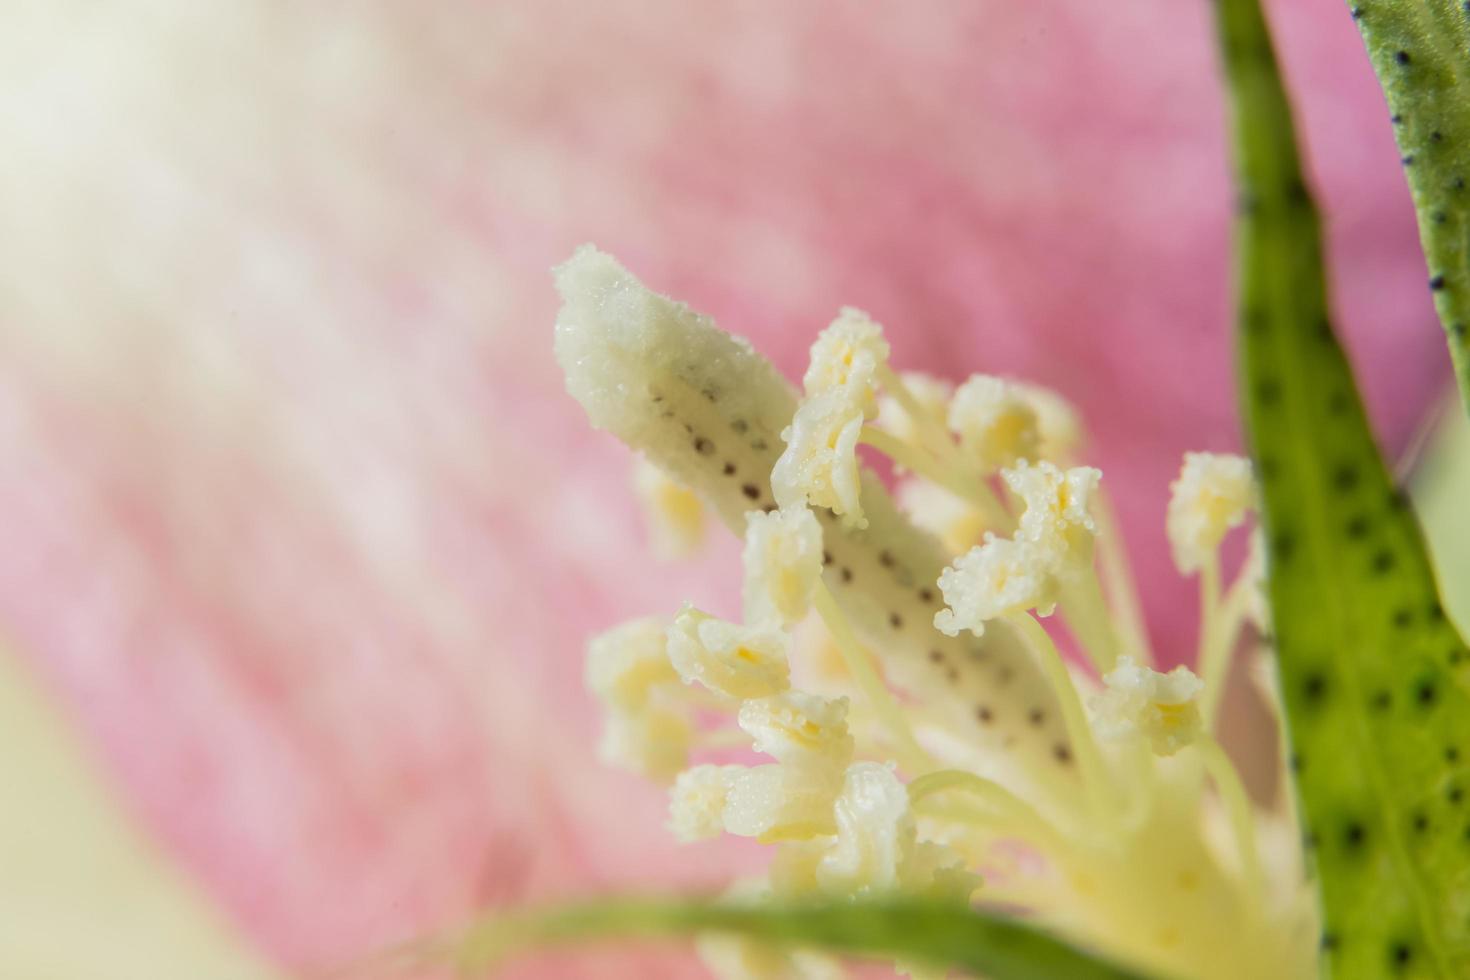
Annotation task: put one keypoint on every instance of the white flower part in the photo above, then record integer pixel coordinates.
(697, 802)
(1058, 515)
(783, 563)
(957, 524)
(737, 661)
(782, 802)
(653, 742)
(932, 395)
(1057, 422)
(674, 513)
(1213, 494)
(820, 465)
(993, 579)
(625, 664)
(1163, 708)
(800, 728)
(995, 421)
(846, 357)
(876, 834)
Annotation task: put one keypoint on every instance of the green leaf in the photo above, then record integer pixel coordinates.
(915, 932)
(1374, 677)
(1421, 52)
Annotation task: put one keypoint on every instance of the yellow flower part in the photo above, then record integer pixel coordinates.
(673, 513)
(697, 802)
(847, 357)
(993, 579)
(782, 802)
(1213, 494)
(1057, 423)
(653, 742)
(819, 465)
(876, 834)
(995, 421)
(932, 395)
(737, 661)
(800, 728)
(627, 663)
(783, 562)
(1057, 515)
(957, 524)
(1163, 708)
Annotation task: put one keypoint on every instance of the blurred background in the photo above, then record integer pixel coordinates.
(300, 537)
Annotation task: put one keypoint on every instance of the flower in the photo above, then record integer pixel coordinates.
(281, 428)
(1213, 494)
(844, 822)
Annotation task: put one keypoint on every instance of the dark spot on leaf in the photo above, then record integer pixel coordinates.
(1314, 686)
(936, 656)
(740, 426)
(826, 558)
(752, 491)
(1036, 717)
(1402, 57)
(984, 714)
(885, 559)
(729, 469)
(1383, 562)
(703, 446)
(1382, 701)
(1400, 955)
(1353, 835)
(1268, 391)
(895, 620)
(1061, 753)
(1356, 527)
(1420, 822)
(926, 595)
(1451, 754)
(1436, 283)
(1345, 476)
(1426, 693)
(1402, 618)
(846, 574)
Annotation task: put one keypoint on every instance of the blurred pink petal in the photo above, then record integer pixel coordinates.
(300, 524)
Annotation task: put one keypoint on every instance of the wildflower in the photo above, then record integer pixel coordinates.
(820, 464)
(783, 562)
(1213, 494)
(995, 421)
(847, 357)
(736, 661)
(673, 512)
(994, 579)
(1163, 708)
(968, 729)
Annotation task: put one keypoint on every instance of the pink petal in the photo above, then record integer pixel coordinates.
(300, 525)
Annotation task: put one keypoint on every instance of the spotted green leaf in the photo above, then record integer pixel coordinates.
(913, 932)
(1421, 52)
(1374, 677)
